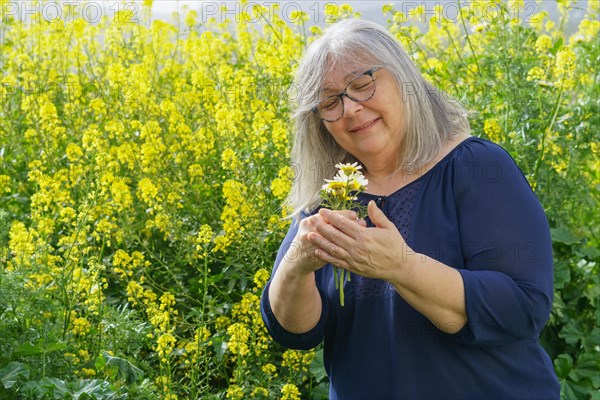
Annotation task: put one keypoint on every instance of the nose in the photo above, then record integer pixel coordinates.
(351, 107)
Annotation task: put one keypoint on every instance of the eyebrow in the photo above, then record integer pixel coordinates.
(328, 90)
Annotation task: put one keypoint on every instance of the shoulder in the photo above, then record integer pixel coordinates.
(483, 161)
(476, 149)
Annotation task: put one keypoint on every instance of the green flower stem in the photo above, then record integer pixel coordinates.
(342, 276)
(341, 197)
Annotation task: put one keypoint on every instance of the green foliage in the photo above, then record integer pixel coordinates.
(572, 336)
(140, 197)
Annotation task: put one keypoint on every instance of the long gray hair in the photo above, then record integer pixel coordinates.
(430, 116)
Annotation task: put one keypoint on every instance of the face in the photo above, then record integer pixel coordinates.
(370, 130)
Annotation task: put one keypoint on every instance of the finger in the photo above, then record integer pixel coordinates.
(377, 216)
(350, 214)
(341, 222)
(335, 235)
(331, 250)
(329, 259)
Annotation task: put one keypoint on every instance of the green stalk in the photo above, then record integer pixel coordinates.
(342, 274)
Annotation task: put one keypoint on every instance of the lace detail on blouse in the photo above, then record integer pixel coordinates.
(399, 209)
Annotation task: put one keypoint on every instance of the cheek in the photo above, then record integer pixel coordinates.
(336, 131)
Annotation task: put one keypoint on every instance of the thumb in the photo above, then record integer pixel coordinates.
(377, 216)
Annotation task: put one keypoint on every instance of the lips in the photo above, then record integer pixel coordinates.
(364, 126)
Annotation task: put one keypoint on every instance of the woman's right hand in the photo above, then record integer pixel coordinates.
(293, 295)
(300, 255)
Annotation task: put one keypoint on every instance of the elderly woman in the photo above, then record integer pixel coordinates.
(451, 272)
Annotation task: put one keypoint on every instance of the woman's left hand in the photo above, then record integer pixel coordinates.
(431, 287)
(374, 253)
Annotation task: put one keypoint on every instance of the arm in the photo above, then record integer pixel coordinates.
(293, 295)
(293, 308)
(506, 241)
(504, 290)
(432, 288)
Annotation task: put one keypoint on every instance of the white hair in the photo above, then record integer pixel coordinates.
(430, 116)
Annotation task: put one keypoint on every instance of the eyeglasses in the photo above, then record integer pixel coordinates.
(360, 88)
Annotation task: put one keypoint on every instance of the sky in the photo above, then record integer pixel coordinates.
(163, 9)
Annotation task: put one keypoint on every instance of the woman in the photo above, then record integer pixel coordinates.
(451, 271)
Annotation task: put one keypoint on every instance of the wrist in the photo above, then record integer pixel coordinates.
(409, 263)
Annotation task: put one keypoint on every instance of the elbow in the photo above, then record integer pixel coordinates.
(453, 323)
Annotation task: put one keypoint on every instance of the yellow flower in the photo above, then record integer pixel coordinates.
(81, 326)
(21, 242)
(589, 29)
(297, 361)
(492, 129)
(234, 392)
(565, 62)
(147, 191)
(297, 17)
(190, 18)
(535, 74)
(165, 345)
(238, 342)
(348, 169)
(121, 194)
(167, 300)
(230, 161)
(74, 152)
(259, 392)
(261, 277)
(204, 236)
(4, 184)
(289, 391)
(283, 183)
(543, 43)
(269, 369)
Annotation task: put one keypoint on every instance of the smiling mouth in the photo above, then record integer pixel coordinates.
(366, 125)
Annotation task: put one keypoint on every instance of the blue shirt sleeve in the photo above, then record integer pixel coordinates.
(303, 341)
(508, 272)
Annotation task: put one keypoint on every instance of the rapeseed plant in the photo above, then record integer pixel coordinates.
(143, 163)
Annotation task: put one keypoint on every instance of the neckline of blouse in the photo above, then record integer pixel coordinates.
(371, 196)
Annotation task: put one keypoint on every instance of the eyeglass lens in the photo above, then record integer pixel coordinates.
(358, 89)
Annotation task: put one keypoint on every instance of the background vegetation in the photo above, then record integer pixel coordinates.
(142, 164)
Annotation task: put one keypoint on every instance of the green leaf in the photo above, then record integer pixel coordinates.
(590, 252)
(563, 364)
(562, 274)
(572, 332)
(588, 366)
(29, 349)
(557, 46)
(121, 369)
(572, 390)
(316, 366)
(563, 235)
(100, 362)
(92, 389)
(10, 374)
(592, 341)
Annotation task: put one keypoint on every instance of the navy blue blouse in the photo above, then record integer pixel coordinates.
(473, 211)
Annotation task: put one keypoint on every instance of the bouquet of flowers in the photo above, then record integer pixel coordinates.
(340, 193)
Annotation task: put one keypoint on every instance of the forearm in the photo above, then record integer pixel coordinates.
(295, 299)
(434, 289)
